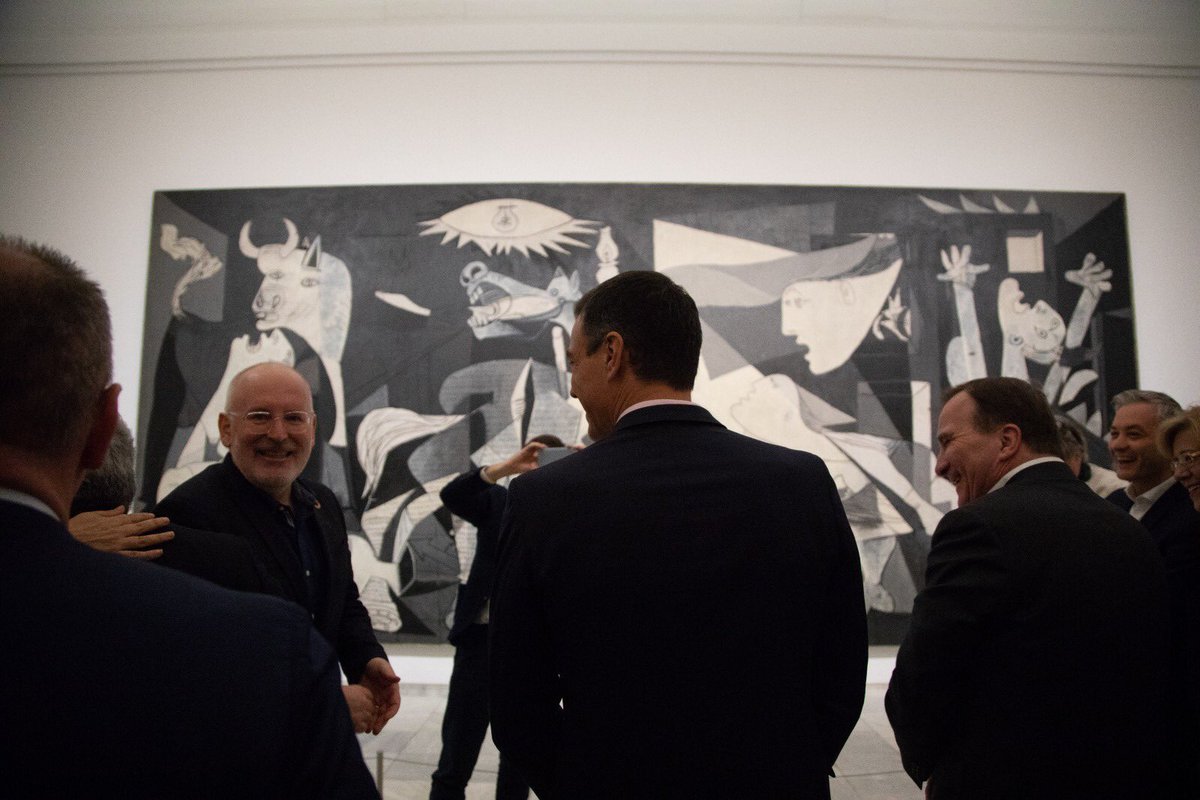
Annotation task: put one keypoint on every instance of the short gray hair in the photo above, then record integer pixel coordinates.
(1071, 437)
(1164, 404)
(114, 482)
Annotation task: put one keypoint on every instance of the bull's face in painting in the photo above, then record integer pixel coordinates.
(290, 290)
(304, 289)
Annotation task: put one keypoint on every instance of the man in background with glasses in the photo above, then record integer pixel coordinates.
(294, 526)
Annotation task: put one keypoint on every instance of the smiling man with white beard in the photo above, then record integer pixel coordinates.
(295, 527)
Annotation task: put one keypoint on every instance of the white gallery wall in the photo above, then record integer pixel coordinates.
(100, 108)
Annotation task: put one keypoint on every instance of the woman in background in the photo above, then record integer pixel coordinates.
(1179, 440)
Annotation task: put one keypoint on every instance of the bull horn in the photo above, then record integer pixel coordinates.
(312, 257)
(247, 247)
(293, 238)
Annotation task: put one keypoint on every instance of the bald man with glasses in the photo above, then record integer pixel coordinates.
(294, 526)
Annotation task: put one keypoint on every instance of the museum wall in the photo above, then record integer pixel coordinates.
(89, 132)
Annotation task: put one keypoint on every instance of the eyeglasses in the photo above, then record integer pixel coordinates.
(293, 421)
(1185, 459)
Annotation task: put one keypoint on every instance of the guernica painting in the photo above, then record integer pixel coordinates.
(432, 323)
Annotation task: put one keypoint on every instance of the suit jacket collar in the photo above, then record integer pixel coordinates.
(674, 412)
(1165, 506)
(29, 501)
(1121, 499)
(1007, 477)
(28, 517)
(1046, 471)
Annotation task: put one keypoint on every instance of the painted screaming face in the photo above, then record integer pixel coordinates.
(1038, 330)
(831, 317)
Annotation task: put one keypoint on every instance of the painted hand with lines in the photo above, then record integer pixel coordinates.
(959, 269)
(1092, 276)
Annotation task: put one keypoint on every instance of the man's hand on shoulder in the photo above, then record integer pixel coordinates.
(114, 531)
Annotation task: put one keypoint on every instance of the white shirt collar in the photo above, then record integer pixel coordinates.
(1142, 503)
(1154, 492)
(21, 498)
(1006, 477)
(663, 402)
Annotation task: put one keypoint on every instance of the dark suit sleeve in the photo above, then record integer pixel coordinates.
(326, 756)
(841, 675)
(182, 509)
(356, 643)
(470, 497)
(221, 558)
(525, 692)
(964, 584)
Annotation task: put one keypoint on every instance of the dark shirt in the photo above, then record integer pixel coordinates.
(297, 524)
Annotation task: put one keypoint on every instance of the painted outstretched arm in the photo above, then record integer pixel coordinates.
(964, 354)
(870, 453)
(185, 248)
(1094, 279)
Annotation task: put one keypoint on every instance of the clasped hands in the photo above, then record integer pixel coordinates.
(375, 699)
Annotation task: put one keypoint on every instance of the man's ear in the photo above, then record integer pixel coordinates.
(224, 427)
(95, 446)
(614, 354)
(1010, 440)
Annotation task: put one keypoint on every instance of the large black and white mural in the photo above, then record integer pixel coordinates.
(432, 323)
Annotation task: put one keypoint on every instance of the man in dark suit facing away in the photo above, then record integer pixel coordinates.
(117, 678)
(1035, 664)
(692, 597)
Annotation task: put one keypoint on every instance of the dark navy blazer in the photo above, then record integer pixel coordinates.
(693, 597)
(122, 679)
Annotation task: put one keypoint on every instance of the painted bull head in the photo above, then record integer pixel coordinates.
(307, 291)
(498, 301)
(303, 289)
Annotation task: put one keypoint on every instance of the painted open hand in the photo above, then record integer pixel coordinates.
(959, 269)
(1092, 276)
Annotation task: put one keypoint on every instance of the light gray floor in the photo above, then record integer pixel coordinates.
(868, 769)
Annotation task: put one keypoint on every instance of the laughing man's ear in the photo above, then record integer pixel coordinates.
(614, 353)
(224, 428)
(95, 446)
(1010, 440)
